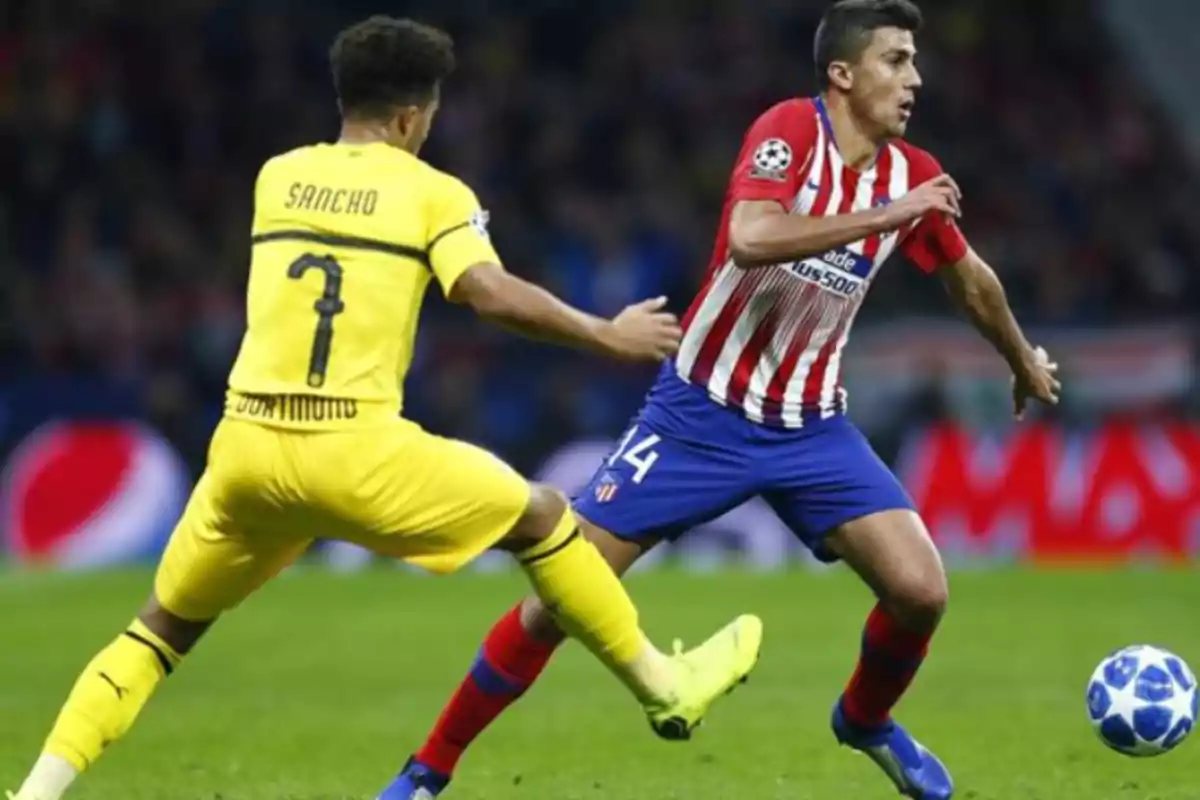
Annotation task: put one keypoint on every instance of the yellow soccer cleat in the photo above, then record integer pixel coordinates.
(706, 673)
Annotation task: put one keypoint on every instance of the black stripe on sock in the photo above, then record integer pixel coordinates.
(557, 548)
(168, 668)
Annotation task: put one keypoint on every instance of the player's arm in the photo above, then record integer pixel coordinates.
(640, 332)
(936, 244)
(762, 232)
(467, 266)
(977, 291)
(776, 156)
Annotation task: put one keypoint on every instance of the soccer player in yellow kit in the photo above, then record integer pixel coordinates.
(346, 238)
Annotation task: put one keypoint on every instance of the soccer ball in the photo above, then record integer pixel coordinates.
(1142, 700)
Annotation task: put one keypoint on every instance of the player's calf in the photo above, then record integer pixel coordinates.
(620, 554)
(508, 662)
(108, 696)
(513, 655)
(588, 602)
(894, 555)
(914, 589)
(578, 588)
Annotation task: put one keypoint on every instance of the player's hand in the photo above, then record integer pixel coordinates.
(1037, 380)
(940, 195)
(643, 332)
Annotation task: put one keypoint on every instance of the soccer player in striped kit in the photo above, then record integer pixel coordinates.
(824, 190)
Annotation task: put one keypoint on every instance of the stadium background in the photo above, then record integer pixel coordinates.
(600, 137)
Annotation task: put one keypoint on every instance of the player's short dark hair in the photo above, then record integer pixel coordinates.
(846, 28)
(383, 63)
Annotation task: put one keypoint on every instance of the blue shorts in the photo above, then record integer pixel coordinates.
(686, 460)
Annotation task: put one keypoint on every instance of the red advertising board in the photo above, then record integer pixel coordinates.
(76, 495)
(1120, 491)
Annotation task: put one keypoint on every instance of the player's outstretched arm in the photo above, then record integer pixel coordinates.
(977, 290)
(763, 233)
(642, 332)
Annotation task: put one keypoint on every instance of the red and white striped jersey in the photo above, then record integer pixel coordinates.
(769, 340)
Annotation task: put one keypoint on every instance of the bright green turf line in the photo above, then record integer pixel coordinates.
(320, 686)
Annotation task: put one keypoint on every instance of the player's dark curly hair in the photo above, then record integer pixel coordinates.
(383, 63)
(846, 28)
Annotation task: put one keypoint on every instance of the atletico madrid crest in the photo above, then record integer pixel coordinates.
(606, 489)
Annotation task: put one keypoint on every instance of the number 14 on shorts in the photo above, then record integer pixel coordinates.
(639, 453)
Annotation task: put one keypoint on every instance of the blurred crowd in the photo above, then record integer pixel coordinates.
(600, 136)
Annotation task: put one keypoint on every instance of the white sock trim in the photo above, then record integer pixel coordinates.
(48, 780)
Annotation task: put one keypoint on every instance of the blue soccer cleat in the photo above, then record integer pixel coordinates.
(415, 782)
(916, 772)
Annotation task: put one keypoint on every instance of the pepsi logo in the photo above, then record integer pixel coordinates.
(81, 495)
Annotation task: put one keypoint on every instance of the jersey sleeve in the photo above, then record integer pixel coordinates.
(458, 236)
(776, 150)
(935, 241)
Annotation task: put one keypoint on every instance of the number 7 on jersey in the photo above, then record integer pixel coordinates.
(327, 306)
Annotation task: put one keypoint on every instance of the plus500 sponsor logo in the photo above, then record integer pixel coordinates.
(826, 276)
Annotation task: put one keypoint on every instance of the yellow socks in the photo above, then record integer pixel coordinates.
(588, 600)
(102, 706)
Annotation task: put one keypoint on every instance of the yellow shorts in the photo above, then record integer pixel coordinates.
(267, 493)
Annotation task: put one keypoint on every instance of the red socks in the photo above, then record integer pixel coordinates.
(891, 655)
(510, 660)
(508, 663)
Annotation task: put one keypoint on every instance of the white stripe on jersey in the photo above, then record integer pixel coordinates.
(828, 309)
(897, 186)
(863, 198)
(724, 284)
(812, 181)
(792, 317)
(766, 294)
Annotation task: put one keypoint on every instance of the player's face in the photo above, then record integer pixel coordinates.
(885, 81)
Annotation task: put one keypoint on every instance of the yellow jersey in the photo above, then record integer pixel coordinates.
(345, 240)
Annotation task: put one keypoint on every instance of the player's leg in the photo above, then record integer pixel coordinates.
(103, 704)
(844, 503)
(590, 604)
(653, 485)
(438, 503)
(512, 656)
(894, 555)
(207, 568)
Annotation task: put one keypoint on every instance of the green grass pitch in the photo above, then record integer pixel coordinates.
(318, 688)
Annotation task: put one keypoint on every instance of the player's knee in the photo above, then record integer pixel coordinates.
(180, 634)
(919, 598)
(542, 516)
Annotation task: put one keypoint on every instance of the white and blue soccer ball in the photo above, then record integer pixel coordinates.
(1143, 701)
